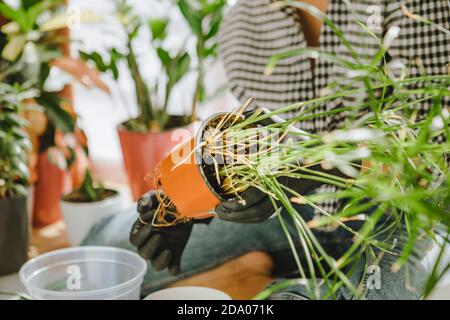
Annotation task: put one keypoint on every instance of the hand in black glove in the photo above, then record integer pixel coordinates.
(254, 207)
(163, 246)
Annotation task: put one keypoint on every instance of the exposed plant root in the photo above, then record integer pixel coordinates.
(166, 214)
(241, 150)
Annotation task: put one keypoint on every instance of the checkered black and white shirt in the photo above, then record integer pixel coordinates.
(255, 30)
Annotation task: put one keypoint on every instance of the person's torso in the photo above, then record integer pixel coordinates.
(256, 30)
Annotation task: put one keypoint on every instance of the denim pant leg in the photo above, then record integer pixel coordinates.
(212, 245)
(376, 274)
(406, 283)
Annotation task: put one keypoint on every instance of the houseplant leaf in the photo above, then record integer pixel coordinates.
(101, 64)
(56, 157)
(16, 15)
(96, 58)
(164, 57)
(158, 28)
(10, 13)
(214, 26)
(15, 119)
(60, 118)
(81, 72)
(31, 58)
(192, 16)
(64, 20)
(14, 47)
(35, 10)
(183, 62)
(10, 28)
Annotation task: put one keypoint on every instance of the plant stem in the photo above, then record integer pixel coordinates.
(198, 88)
(146, 111)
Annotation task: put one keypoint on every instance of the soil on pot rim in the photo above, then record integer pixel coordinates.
(209, 170)
(202, 172)
(134, 125)
(77, 197)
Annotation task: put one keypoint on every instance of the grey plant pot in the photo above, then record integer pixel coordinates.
(14, 234)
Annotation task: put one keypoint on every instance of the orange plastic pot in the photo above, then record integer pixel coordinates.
(143, 151)
(183, 180)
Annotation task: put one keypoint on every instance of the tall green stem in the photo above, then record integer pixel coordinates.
(146, 115)
(198, 88)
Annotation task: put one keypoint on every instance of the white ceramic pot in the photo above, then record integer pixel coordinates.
(188, 293)
(80, 217)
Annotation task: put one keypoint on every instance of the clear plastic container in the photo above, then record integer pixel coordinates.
(84, 273)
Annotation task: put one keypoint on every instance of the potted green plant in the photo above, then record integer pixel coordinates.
(26, 42)
(14, 175)
(398, 181)
(83, 207)
(204, 19)
(35, 40)
(146, 139)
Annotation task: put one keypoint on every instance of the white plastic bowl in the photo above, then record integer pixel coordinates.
(84, 273)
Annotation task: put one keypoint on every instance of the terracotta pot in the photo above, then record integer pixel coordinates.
(183, 180)
(51, 185)
(143, 151)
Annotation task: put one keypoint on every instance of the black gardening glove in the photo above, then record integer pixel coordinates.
(163, 246)
(253, 207)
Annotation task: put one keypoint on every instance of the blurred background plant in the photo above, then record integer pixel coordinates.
(89, 191)
(14, 142)
(204, 18)
(15, 146)
(34, 43)
(154, 124)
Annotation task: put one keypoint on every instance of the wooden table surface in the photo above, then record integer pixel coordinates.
(48, 238)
